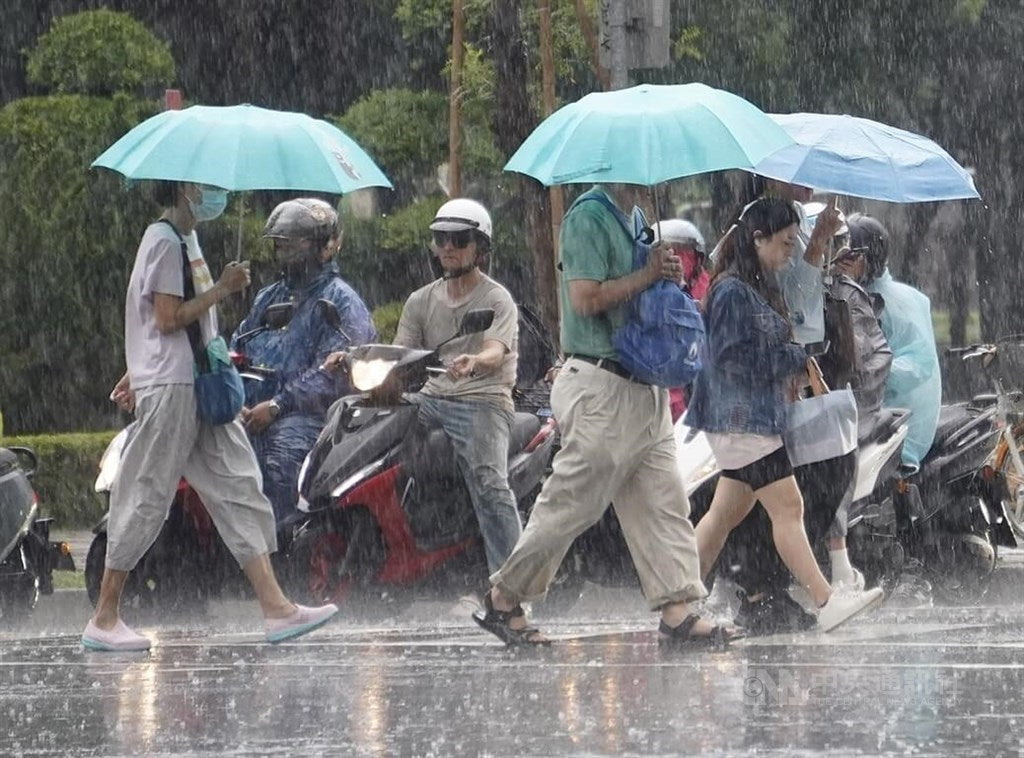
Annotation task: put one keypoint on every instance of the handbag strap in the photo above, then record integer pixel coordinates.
(195, 336)
(817, 379)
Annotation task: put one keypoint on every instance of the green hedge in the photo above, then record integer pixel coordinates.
(68, 465)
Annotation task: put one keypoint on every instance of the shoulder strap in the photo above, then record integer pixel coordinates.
(612, 208)
(195, 336)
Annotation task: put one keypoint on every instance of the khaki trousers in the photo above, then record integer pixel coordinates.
(618, 447)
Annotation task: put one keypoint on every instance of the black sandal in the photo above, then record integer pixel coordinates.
(682, 636)
(497, 623)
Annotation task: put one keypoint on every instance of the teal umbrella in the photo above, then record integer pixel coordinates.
(243, 147)
(647, 135)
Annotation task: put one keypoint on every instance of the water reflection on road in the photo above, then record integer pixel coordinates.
(906, 680)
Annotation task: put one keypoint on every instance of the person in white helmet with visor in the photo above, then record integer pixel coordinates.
(472, 402)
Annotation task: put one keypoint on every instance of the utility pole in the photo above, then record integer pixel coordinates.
(617, 66)
(547, 65)
(454, 97)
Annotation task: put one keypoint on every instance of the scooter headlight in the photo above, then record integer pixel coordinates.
(370, 374)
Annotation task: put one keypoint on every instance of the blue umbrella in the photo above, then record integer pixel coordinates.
(860, 157)
(646, 135)
(243, 147)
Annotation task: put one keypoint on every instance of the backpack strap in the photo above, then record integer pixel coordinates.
(612, 208)
(195, 336)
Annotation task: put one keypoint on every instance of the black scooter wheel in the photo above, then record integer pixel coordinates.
(94, 565)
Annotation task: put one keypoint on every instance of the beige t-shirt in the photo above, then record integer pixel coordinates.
(430, 317)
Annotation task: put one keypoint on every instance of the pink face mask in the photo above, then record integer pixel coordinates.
(694, 275)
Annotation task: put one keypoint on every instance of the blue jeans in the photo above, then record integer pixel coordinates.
(480, 433)
(280, 450)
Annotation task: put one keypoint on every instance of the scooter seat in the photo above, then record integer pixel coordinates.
(524, 427)
(951, 420)
(887, 423)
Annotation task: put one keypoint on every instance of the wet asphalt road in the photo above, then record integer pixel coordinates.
(911, 679)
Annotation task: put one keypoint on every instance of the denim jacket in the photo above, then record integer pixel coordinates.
(750, 357)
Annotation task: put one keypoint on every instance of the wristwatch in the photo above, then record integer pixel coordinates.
(275, 409)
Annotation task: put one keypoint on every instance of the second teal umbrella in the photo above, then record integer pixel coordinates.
(647, 135)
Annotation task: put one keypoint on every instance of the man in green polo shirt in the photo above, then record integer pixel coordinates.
(617, 440)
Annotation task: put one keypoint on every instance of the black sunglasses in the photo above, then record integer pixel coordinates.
(459, 239)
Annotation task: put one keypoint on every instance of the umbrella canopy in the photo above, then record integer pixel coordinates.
(646, 135)
(860, 157)
(244, 147)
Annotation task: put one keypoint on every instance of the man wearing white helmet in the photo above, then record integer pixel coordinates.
(472, 402)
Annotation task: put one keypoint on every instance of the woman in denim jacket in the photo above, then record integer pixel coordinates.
(740, 400)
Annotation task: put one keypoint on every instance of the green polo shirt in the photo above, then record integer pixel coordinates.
(593, 245)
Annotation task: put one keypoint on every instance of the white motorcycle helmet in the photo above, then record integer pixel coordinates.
(679, 231)
(813, 209)
(465, 215)
(462, 213)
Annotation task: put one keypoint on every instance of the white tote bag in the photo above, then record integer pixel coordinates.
(823, 426)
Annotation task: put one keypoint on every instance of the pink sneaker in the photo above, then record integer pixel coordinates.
(303, 620)
(120, 638)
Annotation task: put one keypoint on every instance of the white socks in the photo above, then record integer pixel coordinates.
(842, 571)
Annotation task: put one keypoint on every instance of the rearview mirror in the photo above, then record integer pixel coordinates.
(479, 320)
(278, 315)
(328, 311)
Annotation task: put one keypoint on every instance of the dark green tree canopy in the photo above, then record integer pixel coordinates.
(99, 53)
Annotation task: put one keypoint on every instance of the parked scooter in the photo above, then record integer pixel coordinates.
(388, 508)
(27, 556)
(949, 514)
(188, 563)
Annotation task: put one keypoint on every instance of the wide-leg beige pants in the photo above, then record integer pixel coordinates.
(618, 447)
(166, 442)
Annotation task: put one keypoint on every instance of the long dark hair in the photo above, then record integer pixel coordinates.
(737, 254)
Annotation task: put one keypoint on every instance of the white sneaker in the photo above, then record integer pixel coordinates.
(119, 639)
(853, 585)
(843, 606)
(303, 621)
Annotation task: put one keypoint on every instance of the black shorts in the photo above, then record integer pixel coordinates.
(763, 471)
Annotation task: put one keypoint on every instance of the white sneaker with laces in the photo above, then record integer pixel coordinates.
(844, 605)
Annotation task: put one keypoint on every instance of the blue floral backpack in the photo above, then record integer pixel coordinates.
(662, 338)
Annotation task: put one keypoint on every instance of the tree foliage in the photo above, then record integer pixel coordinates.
(99, 53)
(67, 242)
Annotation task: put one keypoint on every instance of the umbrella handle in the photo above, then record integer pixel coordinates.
(241, 215)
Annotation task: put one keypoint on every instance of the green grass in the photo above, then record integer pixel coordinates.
(69, 580)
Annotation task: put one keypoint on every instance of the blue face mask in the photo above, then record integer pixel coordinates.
(212, 203)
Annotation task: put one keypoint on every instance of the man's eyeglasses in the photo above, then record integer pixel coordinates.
(459, 239)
